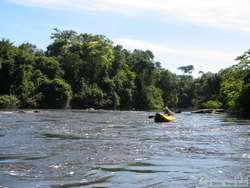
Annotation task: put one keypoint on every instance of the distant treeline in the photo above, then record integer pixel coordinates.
(89, 71)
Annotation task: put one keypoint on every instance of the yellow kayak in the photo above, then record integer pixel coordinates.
(164, 118)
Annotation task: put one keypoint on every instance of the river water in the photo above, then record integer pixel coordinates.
(64, 149)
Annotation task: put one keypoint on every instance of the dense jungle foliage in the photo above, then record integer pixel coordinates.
(89, 71)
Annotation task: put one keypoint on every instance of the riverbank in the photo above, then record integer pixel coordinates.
(208, 111)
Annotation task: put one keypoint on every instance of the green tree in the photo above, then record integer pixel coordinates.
(214, 104)
(187, 69)
(231, 86)
(8, 101)
(49, 66)
(185, 91)
(97, 74)
(152, 98)
(123, 79)
(243, 101)
(63, 40)
(24, 86)
(168, 84)
(207, 88)
(89, 96)
(55, 94)
(141, 62)
(7, 66)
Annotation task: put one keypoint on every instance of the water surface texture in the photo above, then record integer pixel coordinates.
(67, 149)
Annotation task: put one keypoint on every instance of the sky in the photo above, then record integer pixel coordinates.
(208, 34)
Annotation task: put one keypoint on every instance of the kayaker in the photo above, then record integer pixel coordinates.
(167, 111)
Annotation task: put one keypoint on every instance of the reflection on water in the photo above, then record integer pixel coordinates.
(62, 149)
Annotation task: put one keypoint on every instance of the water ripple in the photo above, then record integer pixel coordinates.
(120, 149)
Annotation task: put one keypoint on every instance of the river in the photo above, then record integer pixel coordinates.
(64, 149)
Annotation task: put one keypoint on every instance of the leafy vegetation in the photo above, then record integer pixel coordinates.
(8, 101)
(89, 71)
(215, 104)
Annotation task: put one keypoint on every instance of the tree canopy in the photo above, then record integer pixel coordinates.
(186, 69)
(89, 71)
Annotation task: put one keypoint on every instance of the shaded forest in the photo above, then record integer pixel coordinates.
(88, 71)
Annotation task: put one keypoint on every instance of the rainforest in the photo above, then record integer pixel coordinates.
(81, 71)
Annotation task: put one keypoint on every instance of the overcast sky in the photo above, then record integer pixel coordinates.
(208, 34)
